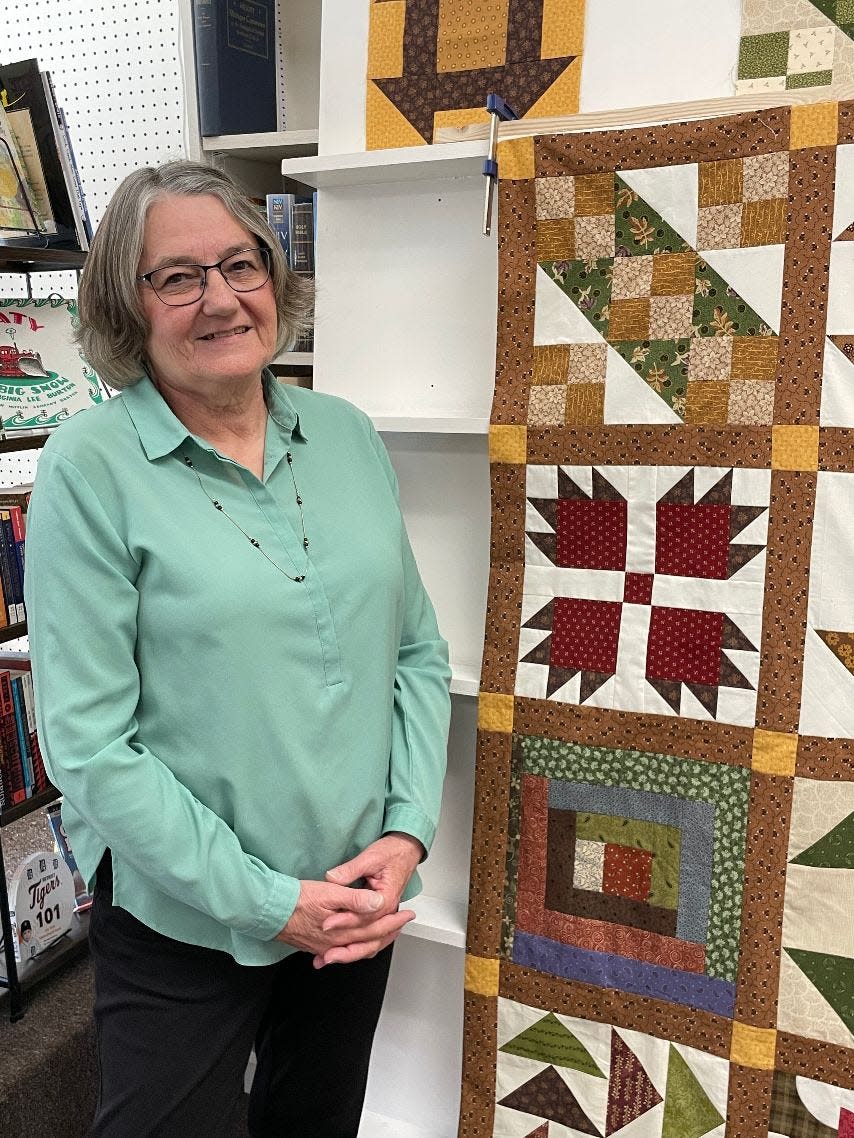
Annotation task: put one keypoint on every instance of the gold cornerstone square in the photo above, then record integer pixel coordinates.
(814, 124)
(753, 1046)
(774, 752)
(516, 158)
(495, 712)
(794, 448)
(481, 976)
(507, 444)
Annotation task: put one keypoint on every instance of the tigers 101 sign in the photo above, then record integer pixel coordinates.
(41, 900)
(43, 377)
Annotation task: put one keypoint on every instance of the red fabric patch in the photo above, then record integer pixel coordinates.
(684, 645)
(585, 635)
(627, 872)
(846, 1123)
(692, 541)
(637, 588)
(591, 535)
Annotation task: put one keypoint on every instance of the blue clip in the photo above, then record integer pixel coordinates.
(496, 106)
(497, 109)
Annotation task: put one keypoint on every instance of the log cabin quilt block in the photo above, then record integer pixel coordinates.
(660, 939)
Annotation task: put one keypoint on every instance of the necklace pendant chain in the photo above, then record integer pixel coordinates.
(217, 505)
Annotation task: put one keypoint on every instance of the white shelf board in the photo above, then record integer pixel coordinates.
(304, 359)
(270, 146)
(431, 424)
(465, 679)
(375, 1125)
(403, 164)
(441, 921)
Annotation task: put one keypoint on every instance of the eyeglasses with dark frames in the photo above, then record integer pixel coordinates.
(177, 285)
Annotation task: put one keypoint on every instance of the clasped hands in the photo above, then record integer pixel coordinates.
(340, 924)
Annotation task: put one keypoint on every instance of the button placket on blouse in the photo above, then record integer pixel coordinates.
(291, 544)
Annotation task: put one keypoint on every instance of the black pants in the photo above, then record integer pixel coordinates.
(176, 1024)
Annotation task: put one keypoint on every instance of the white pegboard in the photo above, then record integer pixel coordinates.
(116, 70)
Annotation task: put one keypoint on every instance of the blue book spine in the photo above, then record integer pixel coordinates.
(278, 218)
(16, 600)
(235, 65)
(6, 577)
(23, 738)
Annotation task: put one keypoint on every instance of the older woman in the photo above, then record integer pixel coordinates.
(241, 689)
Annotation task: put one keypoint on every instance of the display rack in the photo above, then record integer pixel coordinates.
(17, 978)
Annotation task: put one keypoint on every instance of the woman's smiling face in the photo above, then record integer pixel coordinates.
(226, 337)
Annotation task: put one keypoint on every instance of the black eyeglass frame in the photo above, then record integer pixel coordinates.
(262, 249)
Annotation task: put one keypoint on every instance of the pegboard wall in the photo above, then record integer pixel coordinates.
(116, 69)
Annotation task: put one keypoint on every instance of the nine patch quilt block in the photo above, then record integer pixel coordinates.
(431, 63)
(788, 44)
(661, 920)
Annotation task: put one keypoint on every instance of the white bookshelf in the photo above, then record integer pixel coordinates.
(267, 147)
(430, 425)
(377, 167)
(419, 359)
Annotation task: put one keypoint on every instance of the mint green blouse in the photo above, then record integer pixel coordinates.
(223, 730)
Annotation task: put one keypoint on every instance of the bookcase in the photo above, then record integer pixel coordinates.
(405, 329)
(18, 977)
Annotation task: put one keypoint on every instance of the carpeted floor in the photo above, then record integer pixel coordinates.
(48, 1065)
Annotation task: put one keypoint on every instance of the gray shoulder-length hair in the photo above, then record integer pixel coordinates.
(113, 328)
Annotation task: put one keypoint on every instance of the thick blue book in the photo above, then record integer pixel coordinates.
(278, 218)
(235, 65)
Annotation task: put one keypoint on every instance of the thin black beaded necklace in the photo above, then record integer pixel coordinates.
(253, 541)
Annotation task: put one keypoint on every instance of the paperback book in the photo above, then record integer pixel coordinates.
(43, 376)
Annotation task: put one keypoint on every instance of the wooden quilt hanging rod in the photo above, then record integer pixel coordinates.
(646, 116)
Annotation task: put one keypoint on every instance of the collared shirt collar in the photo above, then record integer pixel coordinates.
(161, 431)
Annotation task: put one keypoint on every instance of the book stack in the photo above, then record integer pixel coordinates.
(13, 527)
(22, 769)
(41, 195)
(293, 218)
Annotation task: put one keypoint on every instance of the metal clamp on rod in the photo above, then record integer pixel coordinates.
(498, 109)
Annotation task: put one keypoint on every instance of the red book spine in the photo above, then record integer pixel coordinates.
(42, 781)
(9, 740)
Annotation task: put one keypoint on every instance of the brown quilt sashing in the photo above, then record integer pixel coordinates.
(661, 924)
(431, 63)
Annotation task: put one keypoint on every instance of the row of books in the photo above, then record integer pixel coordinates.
(41, 195)
(13, 528)
(293, 218)
(22, 770)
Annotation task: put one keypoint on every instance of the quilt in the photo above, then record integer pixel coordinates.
(431, 63)
(787, 44)
(661, 920)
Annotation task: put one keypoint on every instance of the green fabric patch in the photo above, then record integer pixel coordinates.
(727, 788)
(763, 56)
(548, 1041)
(588, 286)
(663, 364)
(719, 310)
(833, 976)
(835, 850)
(840, 11)
(514, 826)
(639, 229)
(809, 79)
(688, 1110)
(663, 842)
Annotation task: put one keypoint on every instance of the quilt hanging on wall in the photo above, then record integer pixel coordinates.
(431, 63)
(660, 941)
(795, 43)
